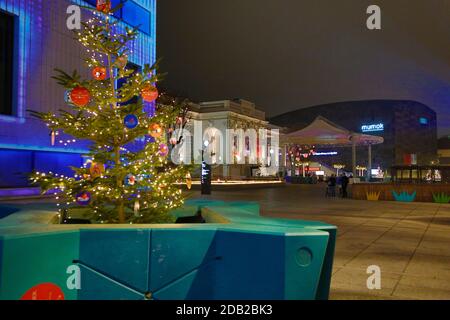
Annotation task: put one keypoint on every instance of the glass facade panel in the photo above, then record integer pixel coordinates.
(132, 14)
(6, 63)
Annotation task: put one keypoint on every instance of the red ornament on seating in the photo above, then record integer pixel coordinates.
(80, 96)
(99, 73)
(104, 5)
(44, 291)
(149, 94)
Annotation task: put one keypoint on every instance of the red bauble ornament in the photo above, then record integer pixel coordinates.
(155, 131)
(97, 169)
(149, 94)
(80, 96)
(104, 5)
(99, 73)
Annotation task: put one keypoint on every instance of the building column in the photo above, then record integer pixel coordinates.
(225, 171)
(369, 163)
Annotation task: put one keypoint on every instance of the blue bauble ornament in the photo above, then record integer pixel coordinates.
(130, 121)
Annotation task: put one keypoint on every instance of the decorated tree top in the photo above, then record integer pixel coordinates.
(117, 184)
(299, 154)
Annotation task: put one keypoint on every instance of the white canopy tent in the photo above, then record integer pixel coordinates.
(323, 132)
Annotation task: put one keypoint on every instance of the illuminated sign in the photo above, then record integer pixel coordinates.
(377, 173)
(328, 153)
(423, 121)
(372, 127)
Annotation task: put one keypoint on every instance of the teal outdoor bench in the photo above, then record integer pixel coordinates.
(236, 255)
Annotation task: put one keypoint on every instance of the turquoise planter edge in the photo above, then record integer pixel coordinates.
(242, 218)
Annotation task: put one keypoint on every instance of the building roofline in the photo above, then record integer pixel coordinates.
(390, 101)
(241, 107)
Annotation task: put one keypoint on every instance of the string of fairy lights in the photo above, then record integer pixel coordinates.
(139, 180)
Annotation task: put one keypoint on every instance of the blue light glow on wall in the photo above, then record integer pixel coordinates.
(41, 148)
(28, 15)
(143, 49)
(135, 15)
(24, 145)
(372, 127)
(16, 165)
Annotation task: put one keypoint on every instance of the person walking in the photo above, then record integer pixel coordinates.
(339, 184)
(331, 186)
(344, 184)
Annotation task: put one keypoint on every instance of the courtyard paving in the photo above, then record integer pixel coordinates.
(410, 242)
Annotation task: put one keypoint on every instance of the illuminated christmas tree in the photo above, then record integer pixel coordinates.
(299, 154)
(117, 184)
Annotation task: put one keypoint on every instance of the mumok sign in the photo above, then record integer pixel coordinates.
(372, 127)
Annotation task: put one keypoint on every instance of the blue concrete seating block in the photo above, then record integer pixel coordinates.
(121, 254)
(237, 254)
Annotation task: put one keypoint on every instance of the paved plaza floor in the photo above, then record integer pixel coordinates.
(410, 242)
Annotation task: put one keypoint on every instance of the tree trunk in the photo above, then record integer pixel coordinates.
(119, 182)
(120, 203)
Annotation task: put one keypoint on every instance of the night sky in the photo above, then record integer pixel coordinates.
(289, 54)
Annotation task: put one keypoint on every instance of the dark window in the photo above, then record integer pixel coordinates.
(131, 13)
(6, 63)
(120, 82)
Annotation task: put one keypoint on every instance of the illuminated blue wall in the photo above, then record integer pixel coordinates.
(43, 43)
